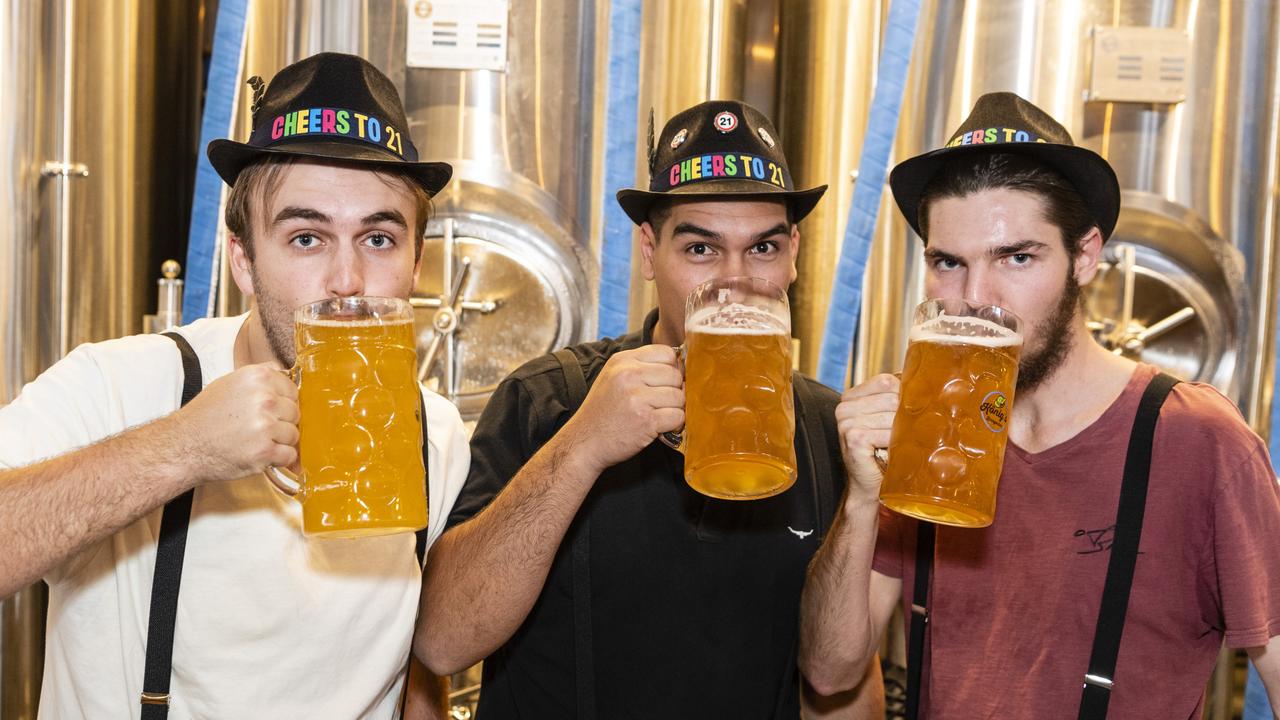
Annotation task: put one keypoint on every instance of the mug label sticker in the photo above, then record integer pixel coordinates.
(995, 411)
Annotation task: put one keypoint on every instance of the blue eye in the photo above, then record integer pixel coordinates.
(1020, 258)
(305, 241)
(380, 241)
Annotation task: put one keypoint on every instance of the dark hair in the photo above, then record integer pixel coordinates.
(261, 181)
(660, 210)
(964, 176)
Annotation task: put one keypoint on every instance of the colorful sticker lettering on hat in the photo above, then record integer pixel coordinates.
(724, 166)
(726, 121)
(766, 137)
(678, 140)
(993, 136)
(336, 121)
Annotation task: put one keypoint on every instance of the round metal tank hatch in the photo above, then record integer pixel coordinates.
(1170, 292)
(492, 295)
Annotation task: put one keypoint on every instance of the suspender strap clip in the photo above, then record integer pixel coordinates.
(155, 698)
(1098, 681)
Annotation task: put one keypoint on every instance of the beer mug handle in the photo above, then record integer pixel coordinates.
(283, 478)
(674, 439)
(285, 481)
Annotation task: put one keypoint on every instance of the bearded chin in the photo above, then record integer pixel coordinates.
(1056, 330)
(277, 322)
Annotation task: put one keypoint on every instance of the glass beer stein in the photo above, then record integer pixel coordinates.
(361, 434)
(946, 448)
(739, 411)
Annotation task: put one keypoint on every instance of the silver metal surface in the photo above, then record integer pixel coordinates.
(525, 186)
(828, 51)
(1182, 305)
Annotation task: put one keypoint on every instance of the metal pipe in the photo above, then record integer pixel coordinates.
(1259, 398)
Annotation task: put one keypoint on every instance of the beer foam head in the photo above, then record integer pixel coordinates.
(967, 330)
(357, 321)
(736, 319)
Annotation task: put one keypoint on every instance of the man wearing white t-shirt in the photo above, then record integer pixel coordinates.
(328, 200)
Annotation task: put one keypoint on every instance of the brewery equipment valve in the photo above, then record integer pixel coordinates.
(449, 313)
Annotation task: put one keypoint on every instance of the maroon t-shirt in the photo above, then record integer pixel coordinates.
(1013, 606)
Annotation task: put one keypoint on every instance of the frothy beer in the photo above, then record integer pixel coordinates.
(739, 411)
(947, 444)
(361, 437)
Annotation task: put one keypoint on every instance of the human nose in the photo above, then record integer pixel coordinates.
(979, 286)
(346, 275)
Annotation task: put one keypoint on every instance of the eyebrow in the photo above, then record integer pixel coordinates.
(1021, 246)
(691, 229)
(389, 216)
(779, 229)
(1018, 247)
(293, 212)
(936, 254)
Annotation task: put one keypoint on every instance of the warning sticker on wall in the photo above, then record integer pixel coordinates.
(458, 34)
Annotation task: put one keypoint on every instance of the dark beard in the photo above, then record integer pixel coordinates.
(277, 321)
(1056, 330)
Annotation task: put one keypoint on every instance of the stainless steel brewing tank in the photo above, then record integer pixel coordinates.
(514, 226)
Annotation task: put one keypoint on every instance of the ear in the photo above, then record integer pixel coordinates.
(241, 265)
(648, 243)
(1086, 262)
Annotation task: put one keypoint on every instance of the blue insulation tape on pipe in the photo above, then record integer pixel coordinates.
(882, 126)
(620, 164)
(220, 94)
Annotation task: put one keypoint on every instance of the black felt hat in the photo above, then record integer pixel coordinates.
(330, 105)
(1005, 123)
(721, 149)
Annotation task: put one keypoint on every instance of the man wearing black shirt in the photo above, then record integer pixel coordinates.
(579, 565)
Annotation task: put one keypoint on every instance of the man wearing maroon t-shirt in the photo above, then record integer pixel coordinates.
(1012, 214)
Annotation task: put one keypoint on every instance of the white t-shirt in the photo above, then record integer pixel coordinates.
(270, 623)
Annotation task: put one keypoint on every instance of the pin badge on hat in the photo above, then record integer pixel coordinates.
(766, 137)
(679, 139)
(726, 122)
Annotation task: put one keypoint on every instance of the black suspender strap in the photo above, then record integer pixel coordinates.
(919, 615)
(420, 537)
(583, 645)
(1100, 677)
(168, 572)
(815, 442)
